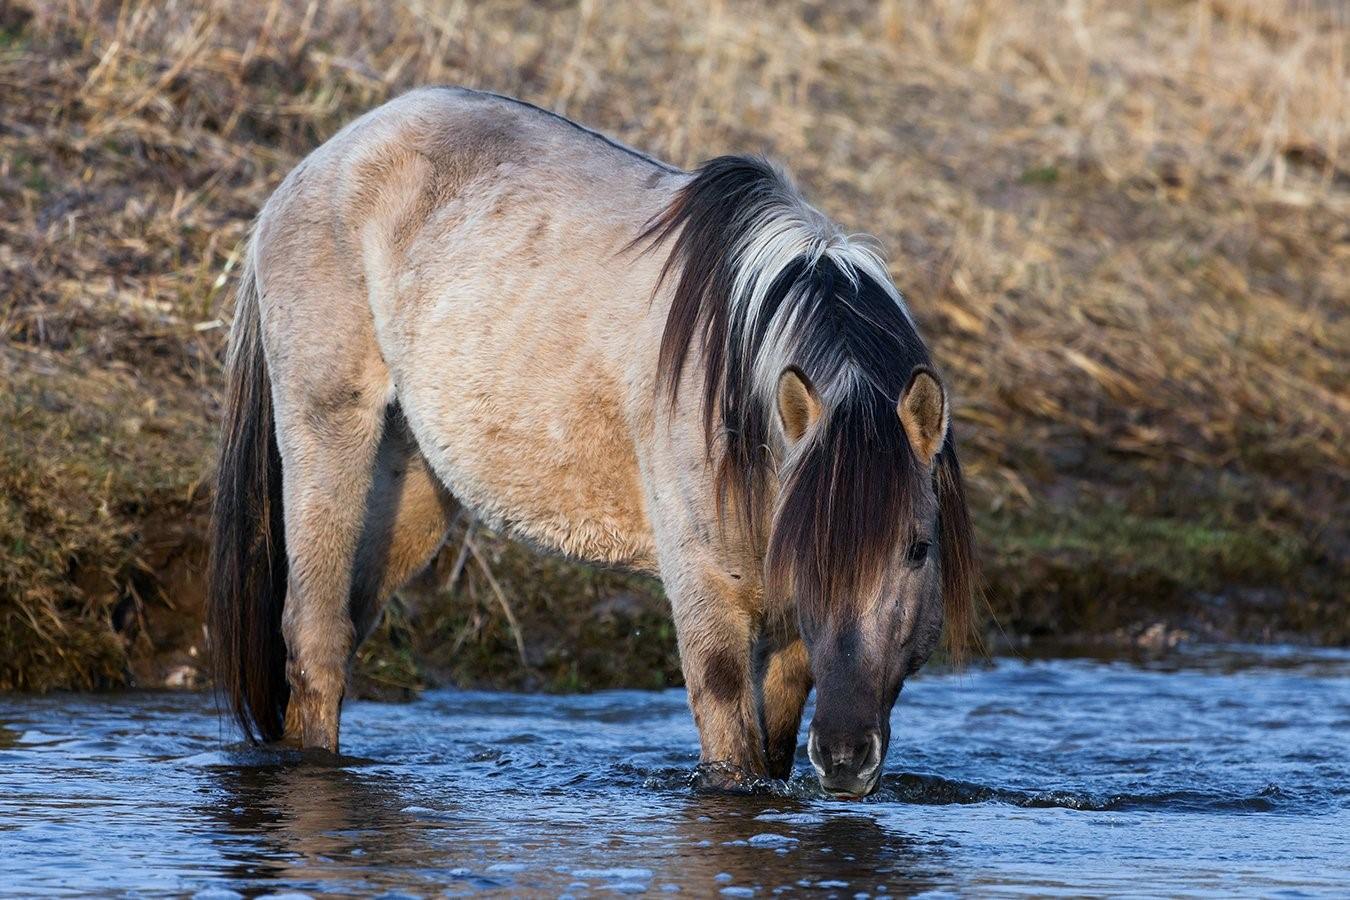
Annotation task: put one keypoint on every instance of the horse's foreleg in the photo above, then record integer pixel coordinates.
(328, 451)
(783, 692)
(715, 639)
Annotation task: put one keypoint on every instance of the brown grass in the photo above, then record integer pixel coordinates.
(1126, 228)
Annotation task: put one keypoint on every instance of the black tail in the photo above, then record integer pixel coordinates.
(248, 569)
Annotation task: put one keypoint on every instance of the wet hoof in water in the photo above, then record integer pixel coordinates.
(727, 778)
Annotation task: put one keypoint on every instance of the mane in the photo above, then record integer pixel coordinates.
(765, 281)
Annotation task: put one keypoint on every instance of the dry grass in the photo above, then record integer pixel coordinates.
(1126, 227)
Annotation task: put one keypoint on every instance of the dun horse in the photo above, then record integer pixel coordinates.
(462, 300)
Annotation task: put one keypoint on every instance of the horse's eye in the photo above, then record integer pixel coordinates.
(918, 552)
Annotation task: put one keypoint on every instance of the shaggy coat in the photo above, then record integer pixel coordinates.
(464, 301)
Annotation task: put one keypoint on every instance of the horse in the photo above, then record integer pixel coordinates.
(462, 302)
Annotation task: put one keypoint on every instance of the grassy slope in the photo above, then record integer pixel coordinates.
(1124, 228)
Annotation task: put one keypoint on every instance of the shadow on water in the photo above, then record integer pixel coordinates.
(931, 790)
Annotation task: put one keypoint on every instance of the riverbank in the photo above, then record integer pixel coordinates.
(1125, 235)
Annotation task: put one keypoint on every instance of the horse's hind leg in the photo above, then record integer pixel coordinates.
(329, 423)
(408, 515)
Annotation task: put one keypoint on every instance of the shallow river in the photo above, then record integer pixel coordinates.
(1215, 772)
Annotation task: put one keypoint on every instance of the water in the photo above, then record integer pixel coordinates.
(1216, 772)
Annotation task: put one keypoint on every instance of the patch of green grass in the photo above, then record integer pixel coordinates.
(12, 38)
(1102, 566)
(37, 181)
(1189, 551)
(1040, 175)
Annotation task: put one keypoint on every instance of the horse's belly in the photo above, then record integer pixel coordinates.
(535, 443)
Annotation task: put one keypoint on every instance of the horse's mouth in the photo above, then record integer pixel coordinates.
(852, 789)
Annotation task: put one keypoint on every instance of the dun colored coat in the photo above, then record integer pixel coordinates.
(464, 301)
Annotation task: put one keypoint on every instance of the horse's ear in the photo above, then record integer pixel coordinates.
(923, 413)
(798, 403)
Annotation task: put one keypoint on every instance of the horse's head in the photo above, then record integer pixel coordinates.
(809, 352)
(869, 511)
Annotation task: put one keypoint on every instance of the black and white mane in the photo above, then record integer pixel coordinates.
(765, 281)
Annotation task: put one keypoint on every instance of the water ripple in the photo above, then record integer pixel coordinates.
(1048, 776)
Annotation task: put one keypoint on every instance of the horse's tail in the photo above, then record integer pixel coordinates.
(248, 569)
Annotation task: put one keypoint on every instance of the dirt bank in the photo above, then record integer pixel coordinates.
(1125, 234)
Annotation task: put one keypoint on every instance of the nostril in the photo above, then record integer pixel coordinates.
(818, 760)
(871, 754)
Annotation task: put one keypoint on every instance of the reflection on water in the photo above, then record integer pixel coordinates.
(1223, 771)
(296, 820)
(305, 819)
